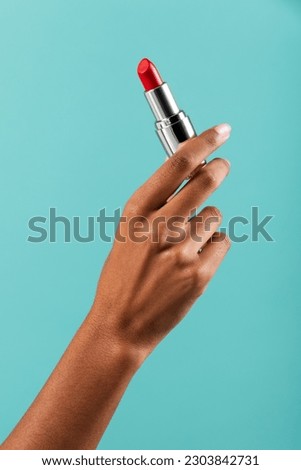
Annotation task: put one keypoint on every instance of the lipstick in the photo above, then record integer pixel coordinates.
(172, 125)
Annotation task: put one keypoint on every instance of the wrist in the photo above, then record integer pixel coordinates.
(111, 344)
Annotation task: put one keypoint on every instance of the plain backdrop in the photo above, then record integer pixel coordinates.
(76, 134)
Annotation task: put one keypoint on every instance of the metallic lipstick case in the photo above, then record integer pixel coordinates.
(173, 126)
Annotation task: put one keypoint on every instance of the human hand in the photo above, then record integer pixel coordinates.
(149, 281)
(156, 270)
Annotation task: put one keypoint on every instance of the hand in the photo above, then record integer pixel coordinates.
(162, 260)
(146, 287)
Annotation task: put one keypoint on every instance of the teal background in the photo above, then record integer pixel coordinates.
(76, 134)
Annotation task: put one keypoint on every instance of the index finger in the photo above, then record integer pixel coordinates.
(154, 193)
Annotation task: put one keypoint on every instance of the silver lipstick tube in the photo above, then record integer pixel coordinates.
(172, 124)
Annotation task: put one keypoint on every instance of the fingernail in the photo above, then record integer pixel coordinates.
(224, 130)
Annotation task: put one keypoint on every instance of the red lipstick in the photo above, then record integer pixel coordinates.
(149, 75)
(172, 125)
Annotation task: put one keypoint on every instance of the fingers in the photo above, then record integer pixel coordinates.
(164, 182)
(202, 227)
(212, 255)
(198, 189)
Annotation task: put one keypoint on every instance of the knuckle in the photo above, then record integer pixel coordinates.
(213, 212)
(182, 259)
(223, 162)
(179, 258)
(131, 207)
(180, 162)
(209, 179)
(211, 138)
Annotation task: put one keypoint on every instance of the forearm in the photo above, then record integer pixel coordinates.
(76, 404)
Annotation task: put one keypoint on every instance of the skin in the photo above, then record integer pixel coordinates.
(145, 288)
